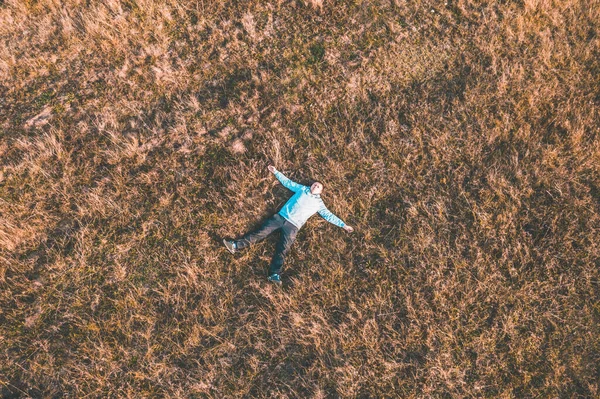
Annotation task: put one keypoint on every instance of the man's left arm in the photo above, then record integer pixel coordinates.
(331, 218)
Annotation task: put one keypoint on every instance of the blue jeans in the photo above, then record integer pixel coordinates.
(274, 223)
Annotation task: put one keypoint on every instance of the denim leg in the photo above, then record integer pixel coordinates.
(288, 236)
(270, 225)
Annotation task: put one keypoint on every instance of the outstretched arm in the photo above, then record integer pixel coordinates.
(287, 183)
(331, 218)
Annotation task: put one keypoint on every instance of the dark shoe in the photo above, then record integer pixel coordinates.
(230, 245)
(275, 278)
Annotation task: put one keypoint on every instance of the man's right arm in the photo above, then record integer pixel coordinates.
(287, 183)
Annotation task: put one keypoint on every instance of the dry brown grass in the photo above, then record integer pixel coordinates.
(459, 138)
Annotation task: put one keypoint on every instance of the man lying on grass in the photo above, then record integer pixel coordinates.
(303, 204)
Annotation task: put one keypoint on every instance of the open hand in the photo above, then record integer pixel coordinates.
(349, 229)
(272, 169)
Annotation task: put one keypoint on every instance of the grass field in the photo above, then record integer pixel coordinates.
(459, 138)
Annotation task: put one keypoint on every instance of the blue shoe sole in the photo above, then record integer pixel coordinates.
(278, 282)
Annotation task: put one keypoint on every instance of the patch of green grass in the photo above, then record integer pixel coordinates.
(317, 53)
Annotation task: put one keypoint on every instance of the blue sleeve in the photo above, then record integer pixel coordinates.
(287, 183)
(330, 217)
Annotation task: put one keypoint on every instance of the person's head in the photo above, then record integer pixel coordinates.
(316, 188)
